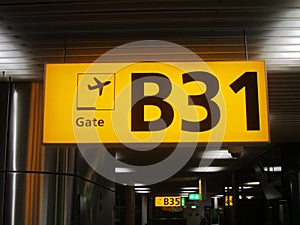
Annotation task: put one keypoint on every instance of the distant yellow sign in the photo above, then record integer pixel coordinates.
(155, 102)
(200, 189)
(229, 200)
(169, 201)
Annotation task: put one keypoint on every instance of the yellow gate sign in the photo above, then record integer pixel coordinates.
(156, 102)
(229, 200)
(170, 201)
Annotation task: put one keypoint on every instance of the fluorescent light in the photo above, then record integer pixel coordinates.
(188, 191)
(189, 188)
(184, 195)
(218, 196)
(139, 185)
(14, 130)
(208, 169)
(143, 192)
(13, 53)
(142, 189)
(123, 170)
(253, 183)
(216, 154)
(247, 187)
(244, 187)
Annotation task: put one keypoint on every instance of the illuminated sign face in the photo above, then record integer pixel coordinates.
(194, 197)
(229, 200)
(154, 102)
(168, 201)
(182, 201)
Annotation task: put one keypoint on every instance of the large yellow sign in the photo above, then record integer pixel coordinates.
(168, 201)
(155, 102)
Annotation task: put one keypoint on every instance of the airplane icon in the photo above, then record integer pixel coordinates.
(99, 85)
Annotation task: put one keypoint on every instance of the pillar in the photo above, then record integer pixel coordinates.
(291, 179)
(130, 205)
(144, 209)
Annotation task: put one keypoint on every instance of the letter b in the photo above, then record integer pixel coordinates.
(139, 100)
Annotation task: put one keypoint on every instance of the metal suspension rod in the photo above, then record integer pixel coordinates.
(245, 45)
(65, 48)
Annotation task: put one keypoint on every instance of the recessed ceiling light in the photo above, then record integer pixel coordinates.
(249, 197)
(273, 168)
(277, 168)
(228, 188)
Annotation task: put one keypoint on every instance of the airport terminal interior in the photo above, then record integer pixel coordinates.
(229, 179)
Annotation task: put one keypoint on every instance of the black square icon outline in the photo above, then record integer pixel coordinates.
(94, 108)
